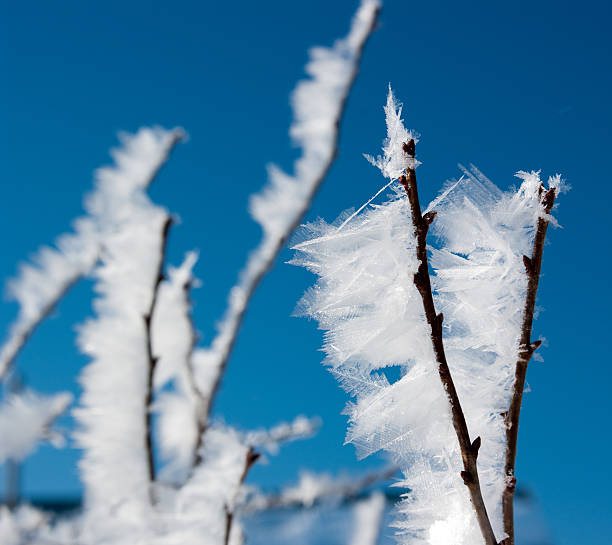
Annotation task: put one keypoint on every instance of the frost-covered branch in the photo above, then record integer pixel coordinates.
(369, 298)
(368, 515)
(43, 282)
(26, 419)
(527, 347)
(180, 410)
(249, 459)
(285, 432)
(469, 448)
(113, 417)
(318, 104)
(151, 357)
(313, 488)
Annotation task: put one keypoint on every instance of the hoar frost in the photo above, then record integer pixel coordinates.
(372, 314)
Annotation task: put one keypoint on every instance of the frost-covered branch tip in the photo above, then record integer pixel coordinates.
(51, 272)
(318, 104)
(313, 488)
(26, 419)
(393, 162)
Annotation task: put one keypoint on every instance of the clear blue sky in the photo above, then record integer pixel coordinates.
(506, 86)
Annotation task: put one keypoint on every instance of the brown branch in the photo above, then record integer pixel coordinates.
(250, 458)
(152, 359)
(533, 267)
(469, 449)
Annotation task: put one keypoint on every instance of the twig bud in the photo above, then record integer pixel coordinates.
(533, 346)
(429, 217)
(409, 147)
(467, 477)
(528, 265)
(476, 445)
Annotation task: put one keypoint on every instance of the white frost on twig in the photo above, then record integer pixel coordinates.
(367, 519)
(301, 428)
(179, 409)
(318, 104)
(113, 407)
(394, 161)
(51, 272)
(26, 419)
(372, 314)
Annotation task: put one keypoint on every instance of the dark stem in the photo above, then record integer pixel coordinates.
(152, 359)
(533, 267)
(469, 449)
(250, 458)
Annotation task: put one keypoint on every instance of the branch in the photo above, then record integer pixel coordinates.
(285, 201)
(152, 359)
(57, 270)
(533, 267)
(250, 458)
(313, 489)
(469, 449)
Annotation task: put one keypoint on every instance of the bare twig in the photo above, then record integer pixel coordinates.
(250, 458)
(152, 359)
(469, 448)
(533, 266)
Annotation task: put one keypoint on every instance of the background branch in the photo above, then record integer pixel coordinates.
(152, 359)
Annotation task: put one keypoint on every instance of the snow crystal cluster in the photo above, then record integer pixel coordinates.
(372, 314)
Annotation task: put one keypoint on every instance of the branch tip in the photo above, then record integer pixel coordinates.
(535, 345)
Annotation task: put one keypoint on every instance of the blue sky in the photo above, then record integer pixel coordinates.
(506, 86)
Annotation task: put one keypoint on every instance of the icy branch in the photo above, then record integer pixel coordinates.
(318, 104)
(114, 413)
(300, 428)
(180, 410)
(26, 419)
(368, 516)
(53, 271)
(527, 347)
(313, 488)
(469, 448)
